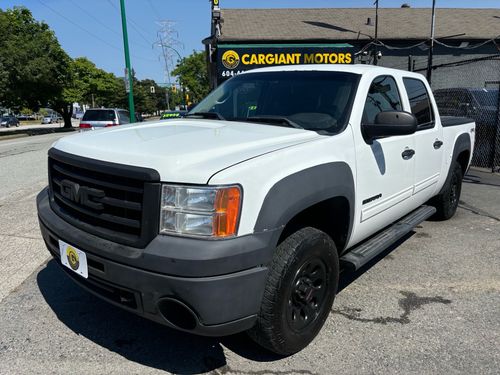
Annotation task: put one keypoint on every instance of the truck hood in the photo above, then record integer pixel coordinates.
(185, 150)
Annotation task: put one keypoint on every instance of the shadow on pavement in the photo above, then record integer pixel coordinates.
(149, 343)
(482, 177)
(347, 276)
(136, 338)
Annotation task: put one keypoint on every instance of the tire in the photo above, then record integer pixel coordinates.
(446, 202)
(299, 292)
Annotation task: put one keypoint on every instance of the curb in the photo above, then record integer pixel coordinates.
(30, 132)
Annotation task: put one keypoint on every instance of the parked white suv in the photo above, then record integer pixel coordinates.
(97, 118)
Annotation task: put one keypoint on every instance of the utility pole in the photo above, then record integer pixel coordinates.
(128, 69)
(375, 52)
(431, 48)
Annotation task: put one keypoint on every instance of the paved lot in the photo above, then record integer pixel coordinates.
(430, 304)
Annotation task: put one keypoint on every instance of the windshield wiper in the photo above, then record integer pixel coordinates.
(278, 120)
(207, 115)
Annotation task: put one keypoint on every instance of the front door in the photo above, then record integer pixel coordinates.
(385, 168)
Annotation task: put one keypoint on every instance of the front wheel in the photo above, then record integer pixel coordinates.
(299, 293)
(446, 202)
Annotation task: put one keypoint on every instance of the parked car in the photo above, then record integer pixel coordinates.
(51, 119)
(479, 104)
(23, 117)
(239, 220)
(48, 120)
(9, 121)
(476, 103)
(77, 115)
(168, 115)
(98, 118)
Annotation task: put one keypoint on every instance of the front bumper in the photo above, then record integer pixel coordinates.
(219, 283)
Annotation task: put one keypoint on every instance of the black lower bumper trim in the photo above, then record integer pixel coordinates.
(221, 305)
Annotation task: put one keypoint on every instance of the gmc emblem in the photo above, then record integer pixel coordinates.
(81, 194)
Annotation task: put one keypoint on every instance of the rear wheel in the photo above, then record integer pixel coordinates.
(446, 202)
(299, 293)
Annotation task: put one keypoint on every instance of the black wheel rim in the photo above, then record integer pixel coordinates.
(307, 295)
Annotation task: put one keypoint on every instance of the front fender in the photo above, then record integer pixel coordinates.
(303, 189)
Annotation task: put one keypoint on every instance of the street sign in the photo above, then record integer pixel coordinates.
(127, 81)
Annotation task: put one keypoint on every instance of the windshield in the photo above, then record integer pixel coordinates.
(312, 100)
(99, 115)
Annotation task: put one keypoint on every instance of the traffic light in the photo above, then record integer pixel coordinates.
(174, 89)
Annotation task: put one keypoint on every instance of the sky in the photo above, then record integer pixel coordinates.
(92, 28)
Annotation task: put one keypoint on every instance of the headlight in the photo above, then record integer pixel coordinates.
(200, 211)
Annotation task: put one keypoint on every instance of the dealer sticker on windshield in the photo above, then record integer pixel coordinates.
(74, 259)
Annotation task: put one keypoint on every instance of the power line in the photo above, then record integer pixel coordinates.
(94, 18)
(135, 26)
(102, 23)
(153, 8)
(78, 26)
(87, 31)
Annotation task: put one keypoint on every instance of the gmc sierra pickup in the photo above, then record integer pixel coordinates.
(238, 217)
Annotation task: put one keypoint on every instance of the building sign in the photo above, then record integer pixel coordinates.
(235, 59)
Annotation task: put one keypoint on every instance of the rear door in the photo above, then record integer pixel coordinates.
(384, 171)
(428, 138)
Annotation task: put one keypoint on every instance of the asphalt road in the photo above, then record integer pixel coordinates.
(429, 305)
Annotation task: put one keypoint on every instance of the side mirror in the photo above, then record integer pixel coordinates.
(390, 123)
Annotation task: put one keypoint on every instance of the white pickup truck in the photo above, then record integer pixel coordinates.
(240, 216)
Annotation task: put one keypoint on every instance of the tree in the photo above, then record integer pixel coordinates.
(33, 66)
(87, 84)
(193, 75)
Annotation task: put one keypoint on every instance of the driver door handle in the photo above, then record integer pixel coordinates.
(438, 144)
(408, 154)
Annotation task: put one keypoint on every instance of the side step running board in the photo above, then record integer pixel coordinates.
(362, 254)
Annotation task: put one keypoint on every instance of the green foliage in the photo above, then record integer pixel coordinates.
(26, 111)
(36, 72)
(91, 85)
(33, 66)
(193, 75)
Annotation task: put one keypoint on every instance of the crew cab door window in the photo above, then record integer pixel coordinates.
(383, 95)
(419, 102)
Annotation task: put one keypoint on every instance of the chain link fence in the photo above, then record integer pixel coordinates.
(470, 88)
